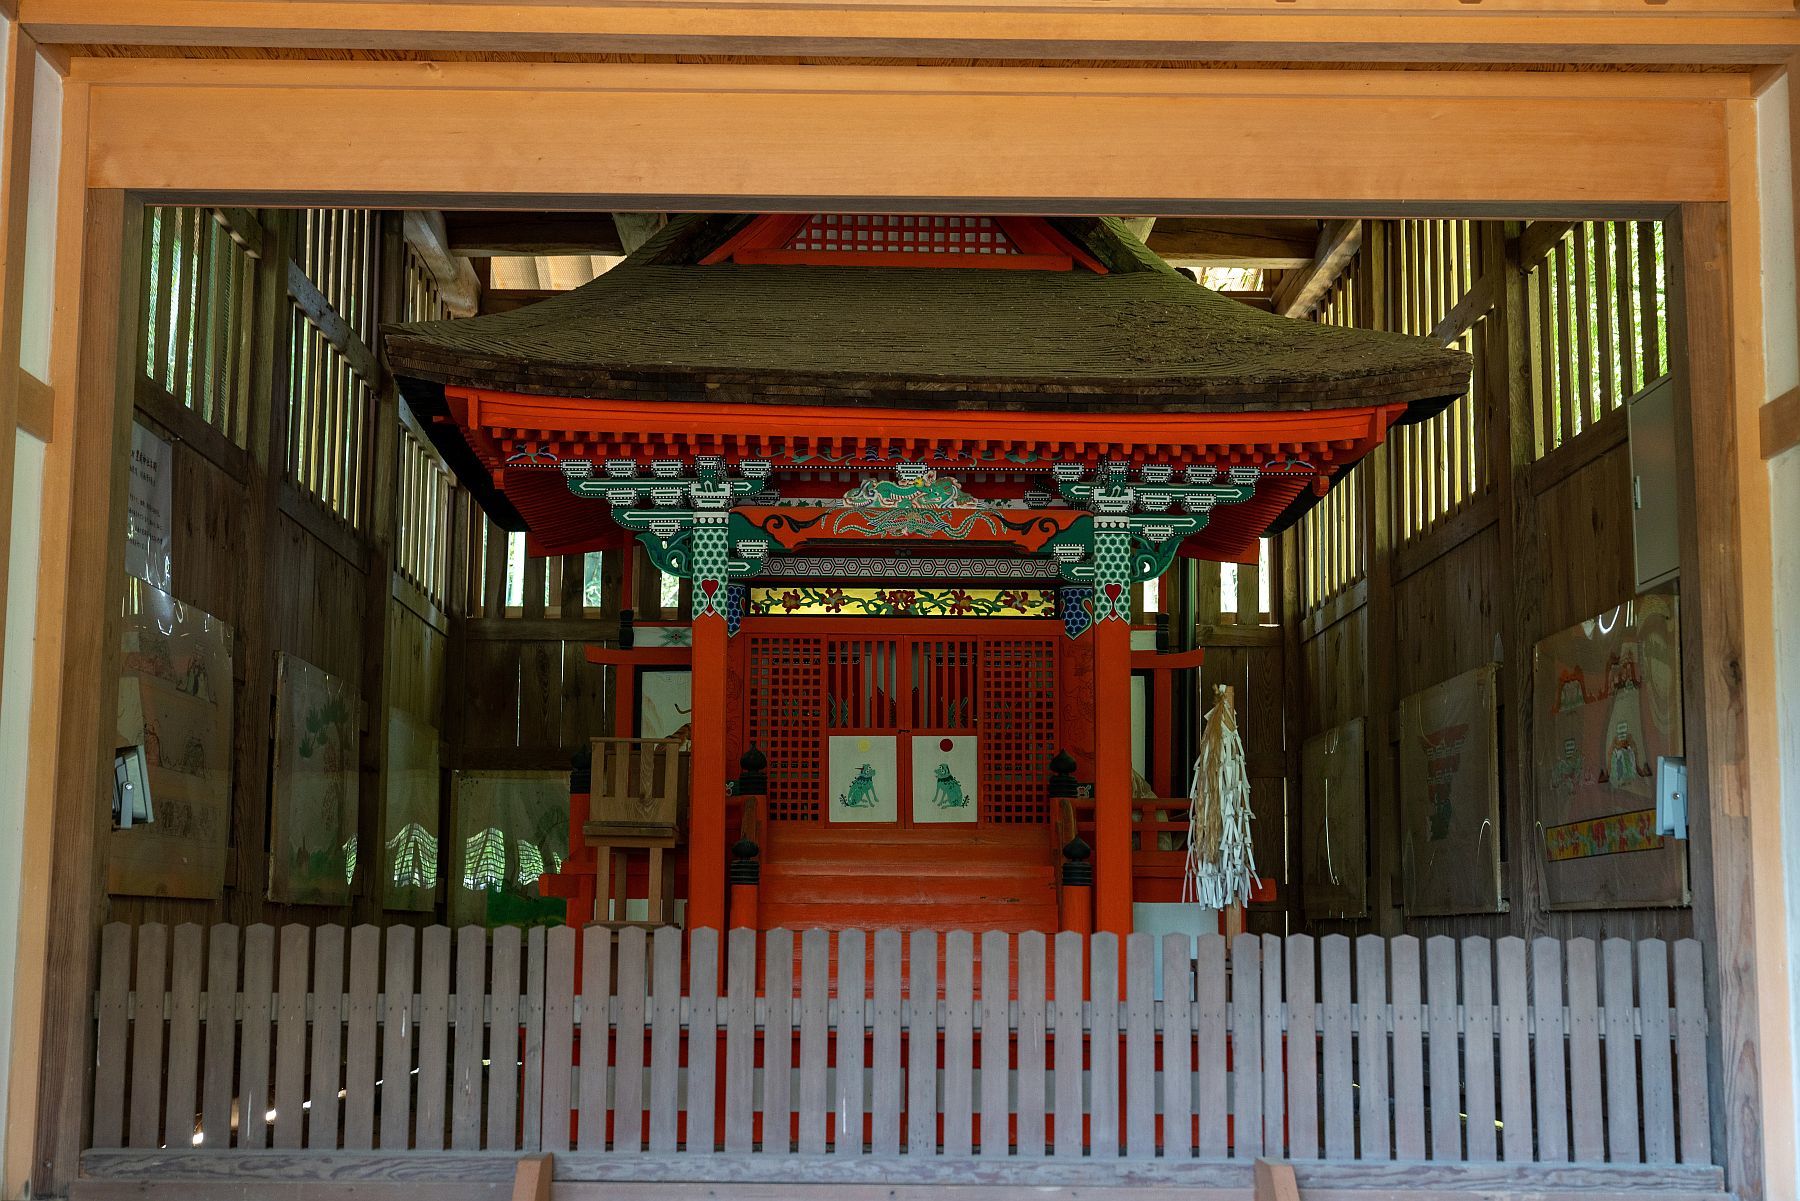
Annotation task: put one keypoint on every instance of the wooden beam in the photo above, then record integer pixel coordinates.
(634, 229)
(1682, 31)
(202, 128)
(36, 401)
(531, 1182)
(76, 671)
(1481, 297)
(1538, 239)
(505, 235)
(1272, 243)
(1781, 422)
(243, 226)
(1299, 291)
(1274, 1181)
(1718, 665)
(18, 59)
(312, 302)
(456, 282)
(1511, 449)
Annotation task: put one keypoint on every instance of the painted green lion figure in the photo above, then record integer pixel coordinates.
(862, 790)
(949, 794)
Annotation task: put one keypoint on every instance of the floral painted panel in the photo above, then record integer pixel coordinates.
(902, 602)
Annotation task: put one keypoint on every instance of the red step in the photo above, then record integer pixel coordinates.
(869, 877)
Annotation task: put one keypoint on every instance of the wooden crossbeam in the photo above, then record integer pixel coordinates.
(506, 235)
(337, 331)
(1480, 297)
(1539, 238)
(458, 288)
(1281, 244)
(1338, 242)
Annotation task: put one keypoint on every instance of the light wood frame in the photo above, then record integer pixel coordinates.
(761, 137)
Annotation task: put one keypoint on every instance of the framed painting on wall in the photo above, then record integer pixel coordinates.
(1607, 707)
(314, 786)
(1334, 823)
(409, 824)
(175, 702)
(1450, 797)
(510, 828)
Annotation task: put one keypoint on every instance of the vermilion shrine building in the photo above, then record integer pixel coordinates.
(918, 471)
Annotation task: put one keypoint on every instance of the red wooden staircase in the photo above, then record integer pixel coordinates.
(868, 877)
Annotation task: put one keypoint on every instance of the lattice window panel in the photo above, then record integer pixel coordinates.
(1018, 728)
(784, 723)
(862, 682)
(944, 689)
(914, 235)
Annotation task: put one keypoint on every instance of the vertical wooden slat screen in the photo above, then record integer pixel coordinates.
(1436, 464)
(1064, 1057)
(1598, 315)
(331, 403)
(422, 519)
(199, 309)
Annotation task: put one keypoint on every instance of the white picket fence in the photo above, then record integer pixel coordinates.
(1019, 1046)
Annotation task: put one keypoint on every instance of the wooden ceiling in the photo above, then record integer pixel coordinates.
(522, 256)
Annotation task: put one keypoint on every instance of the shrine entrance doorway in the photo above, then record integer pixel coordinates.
(908, 767)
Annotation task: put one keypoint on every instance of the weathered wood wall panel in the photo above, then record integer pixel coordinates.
(1586, 548)
(1449, 588)
(1445, 618)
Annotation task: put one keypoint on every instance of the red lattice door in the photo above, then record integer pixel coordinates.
(784, 721)
(952, 729)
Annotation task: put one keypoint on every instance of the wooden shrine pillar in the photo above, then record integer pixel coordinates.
(1112, 775)
(706, 776)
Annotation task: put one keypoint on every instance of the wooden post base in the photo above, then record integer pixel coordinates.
(531, 1182)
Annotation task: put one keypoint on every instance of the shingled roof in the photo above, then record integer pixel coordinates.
(1138, 338)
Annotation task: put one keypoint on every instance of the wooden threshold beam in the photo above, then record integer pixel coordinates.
(1337, 244)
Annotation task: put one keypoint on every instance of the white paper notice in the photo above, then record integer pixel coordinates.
(147, 519)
